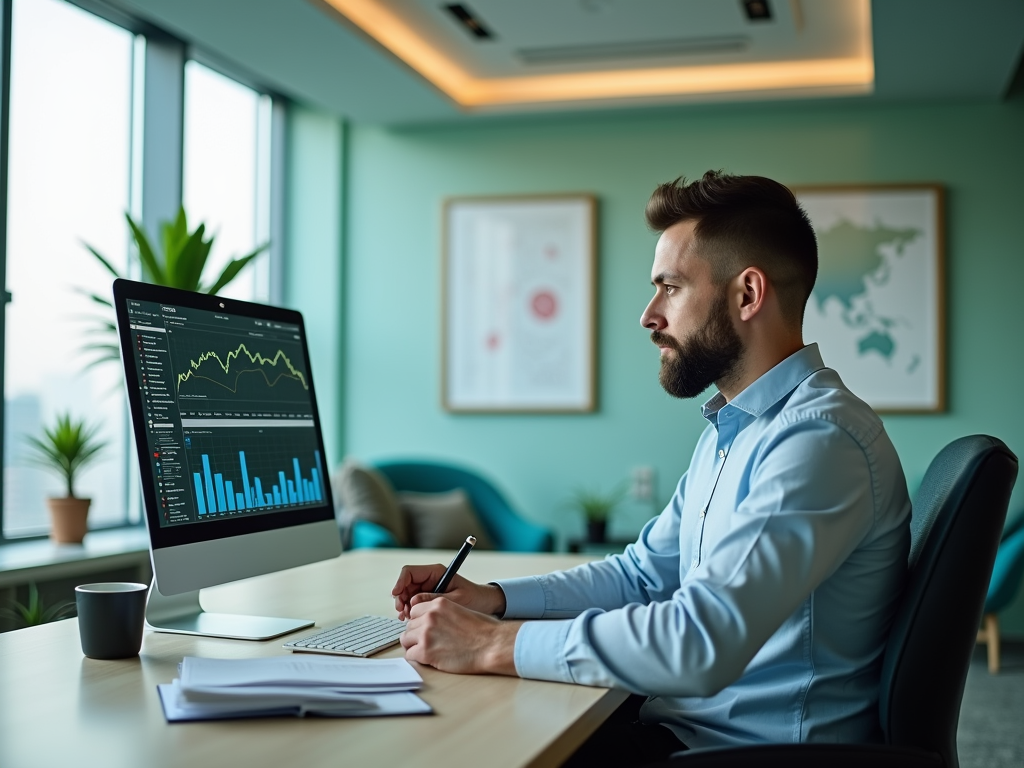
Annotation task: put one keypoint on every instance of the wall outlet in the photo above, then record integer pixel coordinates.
(642, 488)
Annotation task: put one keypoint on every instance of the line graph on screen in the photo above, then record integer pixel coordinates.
(226, 371)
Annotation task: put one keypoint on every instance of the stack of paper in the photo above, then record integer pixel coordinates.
(211, 689)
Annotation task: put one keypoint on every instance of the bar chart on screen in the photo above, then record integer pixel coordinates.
(214, 493)
(250, 471)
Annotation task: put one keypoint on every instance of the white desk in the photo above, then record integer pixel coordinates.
(58, 708)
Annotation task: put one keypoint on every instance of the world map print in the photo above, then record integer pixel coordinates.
(875, 306)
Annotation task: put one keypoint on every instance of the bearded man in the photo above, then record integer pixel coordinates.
(756, 606)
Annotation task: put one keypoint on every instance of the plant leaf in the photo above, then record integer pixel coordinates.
(67, 447)
(57, 612)
(102, 259)
(151, 270)
(192, 261)
(230, 272)
(174, 235)
(94, 297)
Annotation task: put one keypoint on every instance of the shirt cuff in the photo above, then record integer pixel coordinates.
(540, 651)
(524, 598)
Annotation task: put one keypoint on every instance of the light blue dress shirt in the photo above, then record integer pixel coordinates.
(756, 606)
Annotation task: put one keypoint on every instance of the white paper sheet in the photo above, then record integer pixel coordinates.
(342, 673)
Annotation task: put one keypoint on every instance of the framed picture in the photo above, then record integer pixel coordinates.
(519, 304)
(878, 306)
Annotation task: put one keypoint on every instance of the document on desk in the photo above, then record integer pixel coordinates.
(347, 673)
(214, 689)
(178, 708)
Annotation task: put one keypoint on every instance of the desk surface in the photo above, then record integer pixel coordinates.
(59, 708)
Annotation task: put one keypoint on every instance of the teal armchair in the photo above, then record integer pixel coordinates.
(1007, 574)
(510, 531)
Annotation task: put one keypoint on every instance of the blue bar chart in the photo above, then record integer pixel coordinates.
(287, 487)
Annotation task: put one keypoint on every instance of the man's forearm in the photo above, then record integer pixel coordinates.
(500, 658)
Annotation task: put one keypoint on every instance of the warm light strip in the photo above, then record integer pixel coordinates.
(733, 78)
(391, 31)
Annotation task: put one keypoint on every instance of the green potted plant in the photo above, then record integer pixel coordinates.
(179, 263)
(597, 507)
(66, 448)
(35, 611)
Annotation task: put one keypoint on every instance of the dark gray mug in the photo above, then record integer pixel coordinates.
(110, 618)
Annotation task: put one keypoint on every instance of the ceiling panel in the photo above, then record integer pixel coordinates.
(797, 30)
(923, 49)
(532, 52)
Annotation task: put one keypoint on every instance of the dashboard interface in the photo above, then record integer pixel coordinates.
(229, 416)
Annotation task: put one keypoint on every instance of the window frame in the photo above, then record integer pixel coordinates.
(162, 158)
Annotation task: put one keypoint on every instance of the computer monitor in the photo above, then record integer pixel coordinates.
(231, 455)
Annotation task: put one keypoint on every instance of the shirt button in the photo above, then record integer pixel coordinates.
(721, 453)
(702, 513)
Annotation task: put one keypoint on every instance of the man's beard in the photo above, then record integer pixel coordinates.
(711, 353)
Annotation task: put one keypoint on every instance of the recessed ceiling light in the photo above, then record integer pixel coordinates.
(757, 10)
(469, 21)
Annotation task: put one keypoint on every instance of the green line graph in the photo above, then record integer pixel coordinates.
(253, 358)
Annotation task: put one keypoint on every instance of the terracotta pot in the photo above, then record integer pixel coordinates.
(68, 519)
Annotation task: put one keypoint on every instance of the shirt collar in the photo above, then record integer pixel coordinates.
(771, 387)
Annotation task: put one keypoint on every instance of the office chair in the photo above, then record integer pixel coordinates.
(510, 532)
(957, 521)
(1007, 574)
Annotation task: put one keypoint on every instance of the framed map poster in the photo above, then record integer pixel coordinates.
(519, 279)
(878, 310)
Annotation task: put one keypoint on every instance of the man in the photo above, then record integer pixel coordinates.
(756, 606)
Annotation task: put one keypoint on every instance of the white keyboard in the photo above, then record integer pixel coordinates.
(360, 637)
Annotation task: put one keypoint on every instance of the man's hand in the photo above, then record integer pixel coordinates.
(451, 638)
(415, 582)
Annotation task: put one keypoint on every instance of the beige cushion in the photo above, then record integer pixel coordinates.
(365, 494)
(443, 520)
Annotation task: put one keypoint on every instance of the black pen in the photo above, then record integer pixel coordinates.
(453, 568)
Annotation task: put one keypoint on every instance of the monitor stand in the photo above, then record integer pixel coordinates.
(183, 615)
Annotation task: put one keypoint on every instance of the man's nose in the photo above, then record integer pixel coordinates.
(652, 319)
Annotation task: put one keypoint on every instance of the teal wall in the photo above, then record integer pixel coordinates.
(313, 254)
(391, 318)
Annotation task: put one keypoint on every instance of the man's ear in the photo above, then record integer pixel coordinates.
(752, 285)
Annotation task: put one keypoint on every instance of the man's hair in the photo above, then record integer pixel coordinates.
(744, 221)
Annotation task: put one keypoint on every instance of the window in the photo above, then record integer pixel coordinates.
(226, 173)
(68, 182)
(83, 92)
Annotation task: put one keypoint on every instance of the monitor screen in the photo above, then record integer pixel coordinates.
(223, 404)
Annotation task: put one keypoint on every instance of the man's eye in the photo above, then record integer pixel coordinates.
(669, 290)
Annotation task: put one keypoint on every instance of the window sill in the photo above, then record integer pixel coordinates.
(41, 559)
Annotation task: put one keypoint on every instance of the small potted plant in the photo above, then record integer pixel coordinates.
(35, 612)
(66, 448)
(597, 507)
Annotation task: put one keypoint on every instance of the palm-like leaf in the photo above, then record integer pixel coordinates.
(152, 270)
(180, 264)
(230, 272)
(96, 298)
(102, 260)
(195, 250)
(35, 613)
(67, 447)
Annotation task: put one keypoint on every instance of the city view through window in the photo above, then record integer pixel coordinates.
(70, 183)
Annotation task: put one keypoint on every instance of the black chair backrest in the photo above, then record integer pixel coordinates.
(957, 521)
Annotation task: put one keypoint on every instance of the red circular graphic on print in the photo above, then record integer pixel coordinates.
(544, 305)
